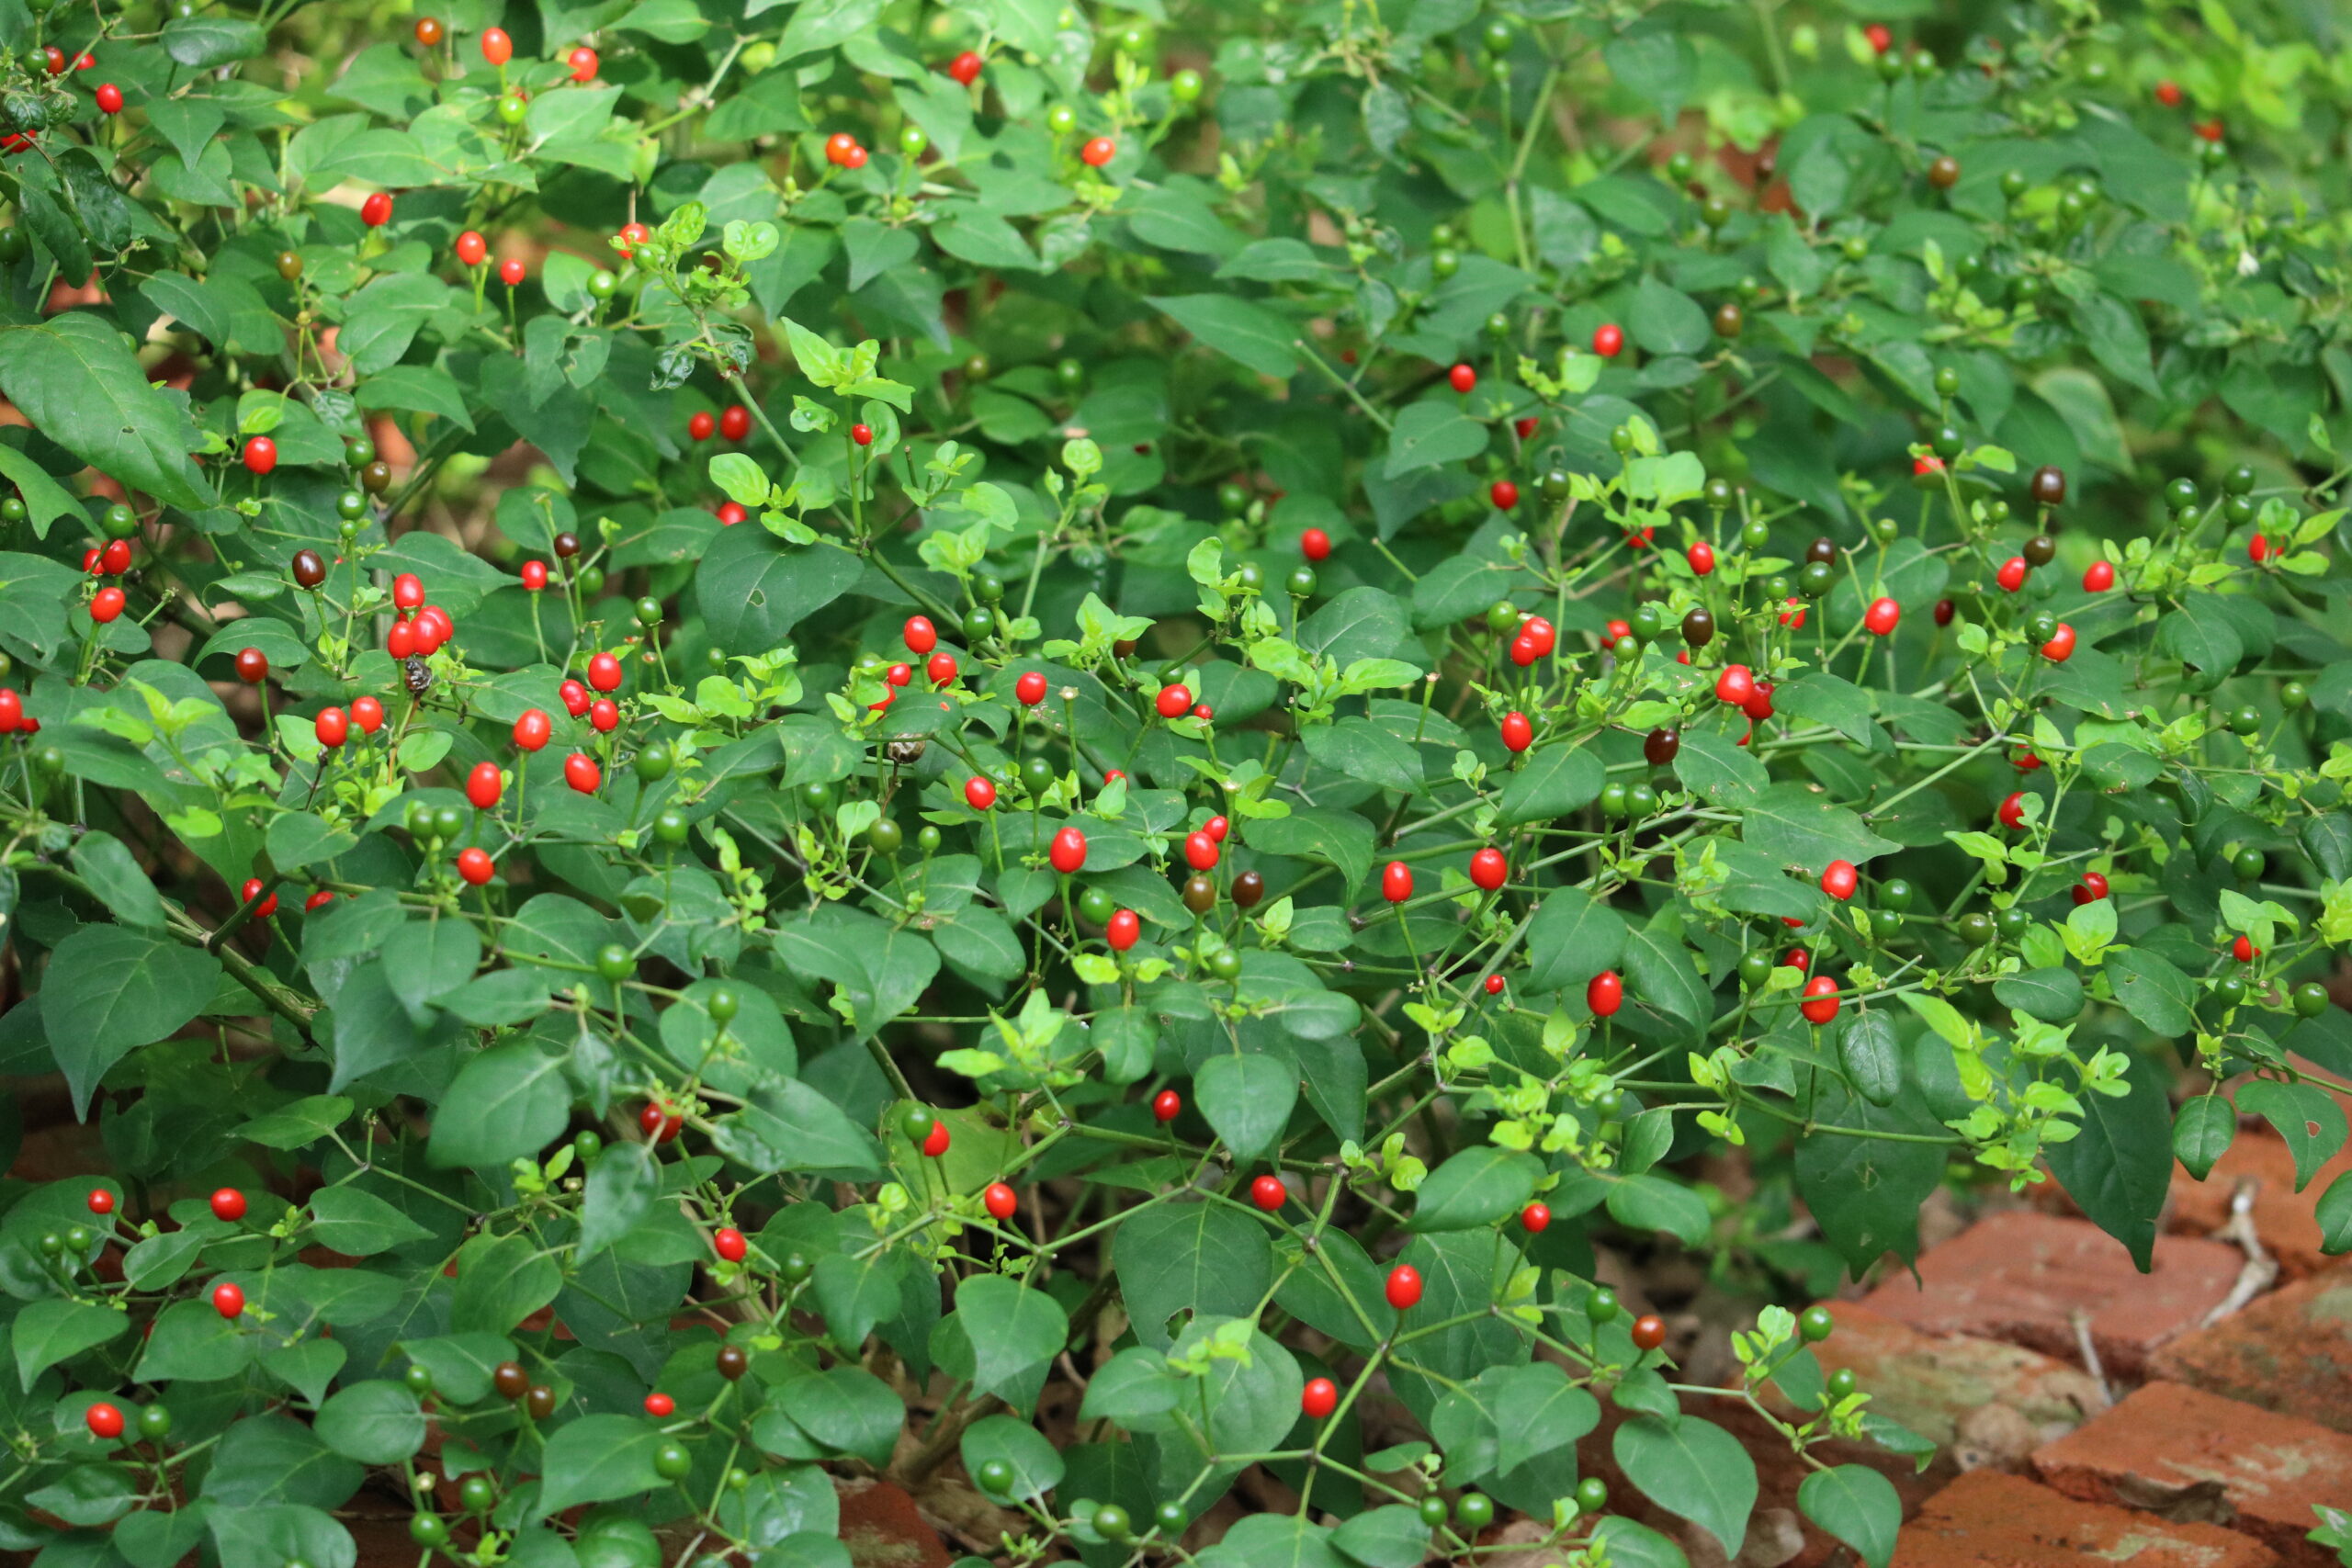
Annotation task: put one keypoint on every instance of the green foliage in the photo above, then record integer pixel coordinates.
(840, 763)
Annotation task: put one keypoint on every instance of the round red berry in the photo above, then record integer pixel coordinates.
(1404, 1286)
(1604, 994)
(1820, 1004)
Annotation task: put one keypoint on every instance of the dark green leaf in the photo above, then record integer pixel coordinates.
(1691, 1468)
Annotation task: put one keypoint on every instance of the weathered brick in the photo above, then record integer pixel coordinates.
(2021, 1276)
(1980, 1400)
(883, 1529)
(1989, 1519)
(2175, 1449)
(2284, 1218)
(2290, 1352)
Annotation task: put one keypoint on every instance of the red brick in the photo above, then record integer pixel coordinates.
(2290, 1352)
(2284, 1218)
(2169, 1437)
(1988, 1519)
(883, 1529)
(2019, 1276)
(1982, 1401)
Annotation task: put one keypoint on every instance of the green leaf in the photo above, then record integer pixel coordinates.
(846, 1408)
(1864, 1192)
(792, 1126)
(1824, 699)
(1798, 826)
(109, 989)
(1655, 1204)
(1037, 1466)
(79, 385)
(297, 1122)
(1361, 623)
(116, 876)
(2053, 996)
(2202, 1130)
(1189, 1257)
(2307, 1117)
(1572, 938)
(45, 500)
(1664, 319)
(379, 1422)
(1857, 1506)
(854, 1292)
(273, 1458)
(1691, 1468)
(1872, 1056)
(425, 960)
(202, 41)
(1479, 1186)
(2334, 1213)
(501, 1282)
(191, 1342)
(1431, 432)
(1719, 769)
(621, 1188)
(505, 1103)
(54, 1329)
(358, 1223)
(2151, 990)
(1013, 1327)
(1248, 1101)
(753, 588)
(461, 1364)
(595, 1459)
(1238, 329)
(1339, 839)
(819, 25)
(2119, 1168)
(1551, 782)
(298, 839)
(269, 1537)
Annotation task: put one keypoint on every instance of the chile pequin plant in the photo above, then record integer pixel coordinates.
(1067, 751)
